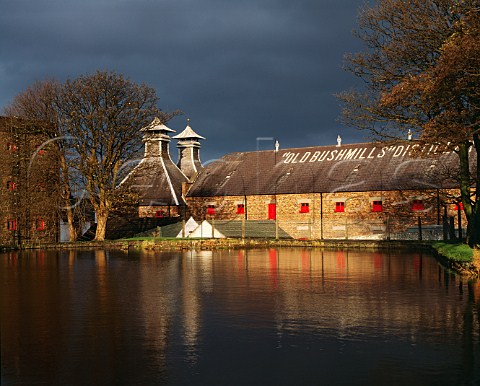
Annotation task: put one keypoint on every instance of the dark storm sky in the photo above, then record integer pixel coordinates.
(238, 69)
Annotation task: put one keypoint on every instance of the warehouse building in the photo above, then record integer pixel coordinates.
(364, 190)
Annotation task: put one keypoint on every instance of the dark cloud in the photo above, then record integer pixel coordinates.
(239, 70)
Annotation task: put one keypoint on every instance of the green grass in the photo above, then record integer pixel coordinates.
(458, 252)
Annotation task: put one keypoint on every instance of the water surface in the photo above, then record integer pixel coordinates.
(257, 317)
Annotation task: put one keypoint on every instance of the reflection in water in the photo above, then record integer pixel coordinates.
(287, 316)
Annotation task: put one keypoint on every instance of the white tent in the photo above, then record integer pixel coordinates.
(190, 226)
(204, 230)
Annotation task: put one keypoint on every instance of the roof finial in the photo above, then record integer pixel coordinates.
(409, 135)
(277, 146)
(339, 141)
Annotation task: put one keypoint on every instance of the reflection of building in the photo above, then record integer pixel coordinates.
(29, 178)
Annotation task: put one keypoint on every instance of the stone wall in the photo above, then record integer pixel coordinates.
(29, 191)
(400, 212)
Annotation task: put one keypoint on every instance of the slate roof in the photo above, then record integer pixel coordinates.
(158, 180)
(188, 133)
(156, 125)
(346, 168)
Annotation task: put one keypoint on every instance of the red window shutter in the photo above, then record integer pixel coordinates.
(159, 214)
(304, 207)
(272, 211)
(339, 207)
(377, 206)
(40, 224)
(38, 148)
(418, 205)
(460, 204)
(12, 225)
(211, 209)
(240, 209)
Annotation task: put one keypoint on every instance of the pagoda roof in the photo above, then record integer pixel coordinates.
(188, 133)
(157, 125)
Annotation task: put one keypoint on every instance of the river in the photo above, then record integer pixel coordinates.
(240, 317)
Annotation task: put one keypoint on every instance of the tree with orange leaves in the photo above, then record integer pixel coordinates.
(422, 73)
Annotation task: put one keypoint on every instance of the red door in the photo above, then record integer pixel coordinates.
(272, 211)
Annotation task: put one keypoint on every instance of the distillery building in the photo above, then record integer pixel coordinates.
(29, 210)
(363, 190)
(160, 182)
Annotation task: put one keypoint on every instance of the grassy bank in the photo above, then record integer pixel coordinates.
(457, 256)
(460, 253)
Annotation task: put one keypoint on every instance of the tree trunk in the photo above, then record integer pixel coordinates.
(102, 216)
(472, 211)
(464, 177)
(473, 230)
(72, 231)
(66, 192)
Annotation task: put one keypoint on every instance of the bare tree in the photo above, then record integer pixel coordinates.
(94, 122)
(422, 73)
(103, 113)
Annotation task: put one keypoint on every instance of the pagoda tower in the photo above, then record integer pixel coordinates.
(156, 140)
(156, 178)
(189, 152)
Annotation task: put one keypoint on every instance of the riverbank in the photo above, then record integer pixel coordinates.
(452, 256)
(459, 257)
(165, 244)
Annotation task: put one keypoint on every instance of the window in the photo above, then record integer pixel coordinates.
(304, 207)
(211, 209)
(11, 185)
(40, 224)
(159, 214)
(418, 205)
(340, 206)
(39, 149)
(272, 211)
(240, 208)
(377, 206)
(11, 147)
(12, 225)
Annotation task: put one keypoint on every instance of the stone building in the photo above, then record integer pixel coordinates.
(159, 182)
(365, 190)
(29, 209)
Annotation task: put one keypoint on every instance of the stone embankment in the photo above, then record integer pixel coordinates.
(215, 244)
